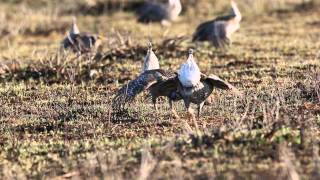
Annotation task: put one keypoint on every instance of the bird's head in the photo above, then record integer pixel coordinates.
(149, 46)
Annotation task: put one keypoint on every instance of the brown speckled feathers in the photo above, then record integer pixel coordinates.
(144, 81)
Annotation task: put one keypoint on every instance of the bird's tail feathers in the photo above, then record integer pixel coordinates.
(236, 11)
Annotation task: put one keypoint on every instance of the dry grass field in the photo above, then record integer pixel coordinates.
(56, 120)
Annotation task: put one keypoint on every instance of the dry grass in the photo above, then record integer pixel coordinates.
(56, 120)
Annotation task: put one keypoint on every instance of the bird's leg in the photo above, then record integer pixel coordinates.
(229, 41)
(188, 108)
(155, 106)
(200, 106)
(154, 101)
(192, 116)
(174, 112)
(197, 44)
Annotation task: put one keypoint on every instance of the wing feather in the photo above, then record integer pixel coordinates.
(85, 42)
(214, 31)
(151, 12)
(81, 43)
(129, 91)
(168, 88)
(215, 81)
(203, 31)
(219, 38)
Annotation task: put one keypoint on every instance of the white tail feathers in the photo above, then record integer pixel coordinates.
(189, 73)
(74, 28)
(150, 61)
(174, 9)
(236, 11)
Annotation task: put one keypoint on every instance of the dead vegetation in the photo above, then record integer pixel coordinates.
(56, 120)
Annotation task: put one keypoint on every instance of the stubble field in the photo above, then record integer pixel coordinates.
(56, 119)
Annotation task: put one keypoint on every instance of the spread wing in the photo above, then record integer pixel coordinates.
(168, 88)
(129, 91)
(215, 81)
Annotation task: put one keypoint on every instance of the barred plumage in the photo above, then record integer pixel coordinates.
(164, 83)
(149, 79)
(199, 93)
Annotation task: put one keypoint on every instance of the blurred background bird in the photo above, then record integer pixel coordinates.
(80, 43)
(157, 12)
(219, 30)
